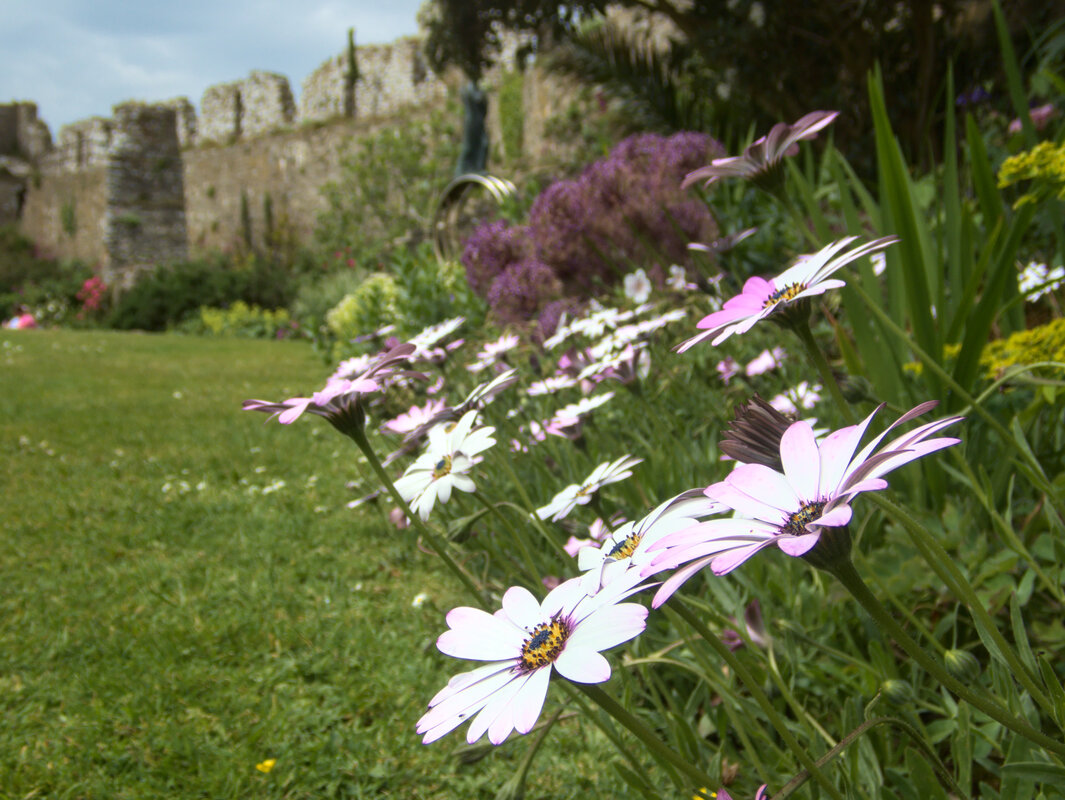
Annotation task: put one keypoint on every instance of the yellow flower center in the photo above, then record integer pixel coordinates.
(797, 522)
(626, 547)
(442, 468)
(785, 295)
(544, 646)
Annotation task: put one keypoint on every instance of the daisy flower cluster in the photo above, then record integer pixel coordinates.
(787, 485)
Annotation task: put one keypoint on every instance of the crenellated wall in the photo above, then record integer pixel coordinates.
(158, 181)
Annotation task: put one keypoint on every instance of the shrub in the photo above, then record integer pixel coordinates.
(167, 295)
(433, 290)
(388, 185)
(242, 320)
(373, 305)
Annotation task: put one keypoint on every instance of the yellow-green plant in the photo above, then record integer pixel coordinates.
(374, 304)
(1043, 165)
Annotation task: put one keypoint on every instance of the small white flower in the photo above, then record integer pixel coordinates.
(581, 494)
(678, 279)
(637, 286)
(419, 599)
(450, 455)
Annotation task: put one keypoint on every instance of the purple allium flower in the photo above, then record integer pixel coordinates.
(592, 228)
(492, 248)
(522, 290)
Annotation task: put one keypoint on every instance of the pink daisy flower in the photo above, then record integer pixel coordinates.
(760, 298)
(340, 401)
(762, 160)
(790, 509)
(523, 643)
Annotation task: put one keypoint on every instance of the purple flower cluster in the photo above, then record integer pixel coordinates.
(522, 289)
(625, 209)
(490, 249)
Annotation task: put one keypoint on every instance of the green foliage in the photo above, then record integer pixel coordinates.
(512, 113)
(168, 294)
(388, 186)
(1036, 345)
(68, 217)
(47, 287)
(1044, 165)
(373, 305)
(317, 296)
(245, 219)
(432, 290)
(241, 320)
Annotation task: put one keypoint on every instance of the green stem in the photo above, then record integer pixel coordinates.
(944, 774)
(943, 565)
(820, 363)
(845, 572)
(434, 540)
(515, 785)
(530, 564)
(643, 733)
(740, 671)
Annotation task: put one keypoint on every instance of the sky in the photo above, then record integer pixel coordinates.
(77, 58)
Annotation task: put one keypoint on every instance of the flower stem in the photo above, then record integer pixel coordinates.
(942, 564)
(612, 707)
(846, 574)
(519, 540)
(434, 540)
(944, 774)
(680, 609)
(817, 358)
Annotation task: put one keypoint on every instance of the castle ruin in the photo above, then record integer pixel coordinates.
(158, 182)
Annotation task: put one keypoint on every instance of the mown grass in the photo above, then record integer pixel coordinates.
(184, 595)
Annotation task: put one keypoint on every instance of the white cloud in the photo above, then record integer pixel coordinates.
(78, 59)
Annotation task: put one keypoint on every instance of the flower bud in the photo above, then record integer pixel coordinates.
(897, 691)
(962, 665)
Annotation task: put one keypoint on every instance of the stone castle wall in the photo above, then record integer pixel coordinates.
(152, 175)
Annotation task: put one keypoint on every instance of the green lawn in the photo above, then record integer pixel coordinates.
(184, 595)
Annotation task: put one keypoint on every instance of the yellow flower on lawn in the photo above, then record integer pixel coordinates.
(266, 766)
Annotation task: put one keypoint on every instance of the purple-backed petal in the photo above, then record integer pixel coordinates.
(837, 452)
(801, 460)
(297, 407)
(582, 666)
(676, 580)
(798, 545)
(726, 562)
(757, 491)
(836, 516)
(495, 706)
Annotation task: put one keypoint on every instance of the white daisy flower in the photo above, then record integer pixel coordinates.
(451, 454)
(581, 494)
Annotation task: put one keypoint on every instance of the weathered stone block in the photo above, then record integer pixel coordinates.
(266, 102)
(145, 219)
(220, 113)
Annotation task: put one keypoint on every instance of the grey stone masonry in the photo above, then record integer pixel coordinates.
(220, 114)
(266, 102)
(186, 120)
(22, 134)
(322, 95)
(83, 143)
(144, 223)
